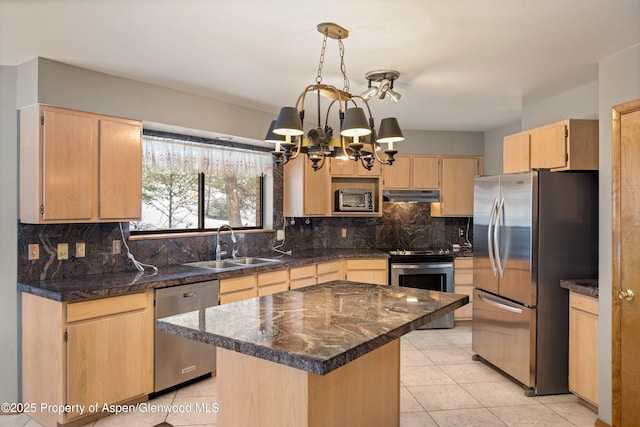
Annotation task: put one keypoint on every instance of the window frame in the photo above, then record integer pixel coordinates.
(200, 229)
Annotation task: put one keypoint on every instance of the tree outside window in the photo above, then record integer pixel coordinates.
(180, 176)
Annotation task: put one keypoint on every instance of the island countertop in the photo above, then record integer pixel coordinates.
(318, 328)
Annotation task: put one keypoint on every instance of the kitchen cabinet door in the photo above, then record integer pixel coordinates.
(398, 176)
(456, 186)
(300, 277)
(272, 282)
(583, 347)
(463, 284)
(373, 271)
(329, 271)
(120, 170)
(426, 173)
(515, 153)
(107, 359)
(238, 288)
(306, 192)
(565, 145)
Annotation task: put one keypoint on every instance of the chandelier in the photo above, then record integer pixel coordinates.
(357, 139)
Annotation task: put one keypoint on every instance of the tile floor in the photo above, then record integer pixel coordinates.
(441, 386)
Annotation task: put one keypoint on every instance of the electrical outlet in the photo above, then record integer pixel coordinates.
(279, 234)
(344, 233)
(34, 251)
(460, 232)
(80, 250)
(116, 249)
(63, 251)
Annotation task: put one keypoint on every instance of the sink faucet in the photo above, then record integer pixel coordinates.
(234, 251)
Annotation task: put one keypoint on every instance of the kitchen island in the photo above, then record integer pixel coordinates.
(325, 355)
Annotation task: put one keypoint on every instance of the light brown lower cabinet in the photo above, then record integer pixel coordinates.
(583, 347)
(272, 282)
(463, 284)
(329, 271)
(238, 288)
(299, 277)
(86, 354)
(367, 270)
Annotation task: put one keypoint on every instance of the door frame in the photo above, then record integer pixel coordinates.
(616, 371)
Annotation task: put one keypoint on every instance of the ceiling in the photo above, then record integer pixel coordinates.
(465, 65)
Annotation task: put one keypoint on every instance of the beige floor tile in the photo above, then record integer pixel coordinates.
(423, 375)
(501, 393)
(408, 403)
(15, 420)
(575, 412)
(405, 344)
(416, 419)
(448, 356)
(476, 417)
(527, 415)
(446, 396)
(414, 358)
(148, 414)
(203, 388)
(201, 411)
(430, 339)
(475, 372)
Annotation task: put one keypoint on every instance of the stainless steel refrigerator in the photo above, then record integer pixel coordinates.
(530, 230)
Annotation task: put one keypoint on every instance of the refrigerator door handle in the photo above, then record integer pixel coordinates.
(489, 243)
(498, 304)
(496, 237)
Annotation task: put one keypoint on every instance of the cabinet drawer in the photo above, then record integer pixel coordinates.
(465, 262)
(466, 311)
(583, 303)
(302, 282)
(328, 267)
(366, 264)
(238, 283)
(301, 272)
(273, 277)
(463, 276)
(237, 296)
(105, 306)
(272, 289)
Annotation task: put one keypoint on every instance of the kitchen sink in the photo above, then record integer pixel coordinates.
(233, 263)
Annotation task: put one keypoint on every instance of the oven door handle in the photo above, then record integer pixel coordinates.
(423, 265)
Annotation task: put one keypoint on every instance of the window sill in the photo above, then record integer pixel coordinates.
(191, 234)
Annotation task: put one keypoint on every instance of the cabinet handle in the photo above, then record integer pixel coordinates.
(628, 295)
(189, 295)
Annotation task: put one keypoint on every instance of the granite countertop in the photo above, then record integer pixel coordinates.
(318, 328)
(105, 285)
(588, 287)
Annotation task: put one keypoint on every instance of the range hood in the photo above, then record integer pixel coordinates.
(428, 196)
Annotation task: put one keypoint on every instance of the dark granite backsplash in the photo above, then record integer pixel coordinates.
(401, 226)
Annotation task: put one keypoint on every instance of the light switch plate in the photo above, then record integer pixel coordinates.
(80, 250)
(63, 251)
(34, 251)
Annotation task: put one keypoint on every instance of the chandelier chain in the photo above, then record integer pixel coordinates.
(321, 63)
(343, 67)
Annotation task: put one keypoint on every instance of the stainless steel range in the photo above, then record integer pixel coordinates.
(424, 269)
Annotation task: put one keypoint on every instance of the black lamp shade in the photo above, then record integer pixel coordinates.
(355, 123)
(288, 122)
(272, 137)
(390, 130)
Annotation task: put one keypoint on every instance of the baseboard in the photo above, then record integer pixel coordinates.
(600, 423)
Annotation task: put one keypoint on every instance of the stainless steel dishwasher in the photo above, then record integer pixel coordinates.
(180, 359)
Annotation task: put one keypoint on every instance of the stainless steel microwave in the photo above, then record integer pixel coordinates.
(354, 200)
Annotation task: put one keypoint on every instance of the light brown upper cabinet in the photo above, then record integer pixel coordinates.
(78, 167)
(348, 167)
(456, 186)
(516, 153)
(413, 172)
(565, 145)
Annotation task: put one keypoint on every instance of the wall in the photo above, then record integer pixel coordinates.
(578, 103)
(8, 237)
(493, 146)
(619, 83)
(441, 142)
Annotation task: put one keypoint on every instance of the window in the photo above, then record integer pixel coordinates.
(196, 184)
